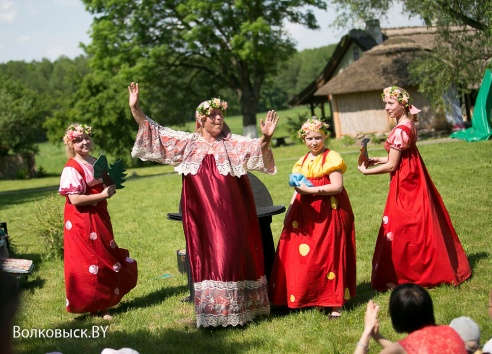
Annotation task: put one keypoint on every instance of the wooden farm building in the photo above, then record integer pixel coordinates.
(349, 49)
(356, 92)
(352, 88)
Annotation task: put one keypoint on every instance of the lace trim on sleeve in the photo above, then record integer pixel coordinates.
(160, 144)
(234, 155)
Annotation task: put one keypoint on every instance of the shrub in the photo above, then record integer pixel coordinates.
(21, 174)
(41, 172)
(294, 124)
(347, 140)
(47, 222)
(376, 139)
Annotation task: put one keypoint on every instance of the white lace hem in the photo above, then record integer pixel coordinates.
(224, 304)
(205, 320)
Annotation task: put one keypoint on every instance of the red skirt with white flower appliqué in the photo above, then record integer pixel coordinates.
(417, 242)
(315, 263)
(97, 272)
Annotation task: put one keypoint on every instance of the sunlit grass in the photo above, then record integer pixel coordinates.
(151, 318)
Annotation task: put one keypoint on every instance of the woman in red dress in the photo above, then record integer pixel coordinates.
(315, 260)
(417, 242)
(220, 223)
(97, 272)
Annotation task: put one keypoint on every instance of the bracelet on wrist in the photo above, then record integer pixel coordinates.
(366, 347)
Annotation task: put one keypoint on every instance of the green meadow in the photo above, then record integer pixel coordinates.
(152, 318)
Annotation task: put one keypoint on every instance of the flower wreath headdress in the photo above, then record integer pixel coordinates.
(75, 131)
(312, 125)
(401, 96)
(205, 108)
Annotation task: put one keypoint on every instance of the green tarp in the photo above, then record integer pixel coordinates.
(481, 126)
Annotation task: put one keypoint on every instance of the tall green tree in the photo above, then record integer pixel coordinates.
(206, 44)
(294, 75)
(19, 121)
(463, 45)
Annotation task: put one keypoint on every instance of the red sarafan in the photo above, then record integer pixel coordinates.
(417, 242)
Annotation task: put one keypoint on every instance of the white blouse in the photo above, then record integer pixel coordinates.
(234, 154)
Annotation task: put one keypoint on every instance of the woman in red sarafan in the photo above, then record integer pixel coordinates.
(97, 272)
(417, 242)
(315, 264)
(220, 222)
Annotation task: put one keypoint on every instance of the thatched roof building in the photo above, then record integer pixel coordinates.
(350, 48)
(355, 93)
(382, 65)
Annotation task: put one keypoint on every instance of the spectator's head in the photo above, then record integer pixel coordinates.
(468, 331)
(410, 308)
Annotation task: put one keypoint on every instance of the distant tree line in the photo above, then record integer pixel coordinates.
(30, 94)
(40, 99)
(183, 52)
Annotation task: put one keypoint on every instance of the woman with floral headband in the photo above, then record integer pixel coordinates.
(417, 242)
(315, 260)
(219, 215)
(97, 272)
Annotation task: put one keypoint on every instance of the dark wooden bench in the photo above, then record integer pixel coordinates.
(263, 201)
(14, 266)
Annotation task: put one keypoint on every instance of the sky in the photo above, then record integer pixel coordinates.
(36, 29)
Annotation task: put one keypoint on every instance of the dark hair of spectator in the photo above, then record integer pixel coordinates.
(410, 308)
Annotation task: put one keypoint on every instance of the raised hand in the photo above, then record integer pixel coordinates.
(268, 126)
(371, 324)
(133, 98)
(137, 113)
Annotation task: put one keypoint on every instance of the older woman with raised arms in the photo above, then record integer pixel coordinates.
(219, 215)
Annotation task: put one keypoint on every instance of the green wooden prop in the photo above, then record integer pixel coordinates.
(110, 173)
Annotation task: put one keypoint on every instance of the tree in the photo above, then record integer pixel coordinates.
(463, 45)
(294, 75)
(54, 84)
(234, 44)
(19, 123)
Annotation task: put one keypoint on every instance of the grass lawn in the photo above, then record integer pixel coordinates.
(151, 318)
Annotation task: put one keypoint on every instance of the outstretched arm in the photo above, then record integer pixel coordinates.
(137, 113)
(370, 326)
(383, 167)
(371, 329)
